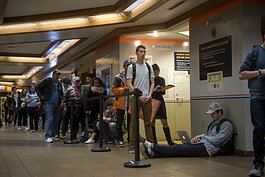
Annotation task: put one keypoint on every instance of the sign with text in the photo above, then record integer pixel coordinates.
(182, 61)
(215, 81)
(216, 56)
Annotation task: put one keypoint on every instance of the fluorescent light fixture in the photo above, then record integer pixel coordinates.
(6, 83)
(22, 59)
(14, 76)
(137, 43)
(185, 33)
(66, 44)
(66, 23)
(154, 34)
(134, 5)
(33, 71)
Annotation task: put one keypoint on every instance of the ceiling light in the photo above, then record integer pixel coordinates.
(154, 34)
(6, 83)
(185, 33)
(66, 44)
(185, 44)
(134, 5)
(33, 71)
(137, 43)
(22, 59)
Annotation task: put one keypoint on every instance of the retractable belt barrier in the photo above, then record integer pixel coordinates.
(136, 163)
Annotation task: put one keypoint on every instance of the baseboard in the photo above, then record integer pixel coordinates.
(244, 153)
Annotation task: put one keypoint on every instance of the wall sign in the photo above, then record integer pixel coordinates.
(182, 61)
(216, 56)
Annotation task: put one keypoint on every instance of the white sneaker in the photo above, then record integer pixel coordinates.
(19, 128)
(49, 140)
(90, 141)
(55, 138)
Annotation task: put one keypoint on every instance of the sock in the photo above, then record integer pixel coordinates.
(150, 152)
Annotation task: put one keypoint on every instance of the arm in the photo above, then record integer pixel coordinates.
(40, 87)
(116, 89)
(151, 87)
(226, 132)
(251, 74)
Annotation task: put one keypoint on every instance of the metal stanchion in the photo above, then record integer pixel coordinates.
(101, 148)
(72, 139)
(137, 163)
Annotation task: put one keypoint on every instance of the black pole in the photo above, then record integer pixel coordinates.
(101, 148)
(72, 139)
(137, 163)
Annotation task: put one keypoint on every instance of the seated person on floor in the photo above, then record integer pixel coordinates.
(219, 140)
(109, 125)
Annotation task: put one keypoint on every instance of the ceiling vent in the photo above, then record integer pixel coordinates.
(176, 5)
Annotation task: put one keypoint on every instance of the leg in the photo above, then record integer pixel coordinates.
(36, 118)
(120, 118)
(49, 120)
(147, 111)
(167, 132)
(128, 126)
(154, 134)
(257, 109)
(113, 130)
(55, 120)
(180, 150)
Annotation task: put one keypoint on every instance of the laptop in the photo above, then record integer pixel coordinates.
(185, 139)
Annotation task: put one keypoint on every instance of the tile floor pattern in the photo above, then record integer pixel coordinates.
(24, 154)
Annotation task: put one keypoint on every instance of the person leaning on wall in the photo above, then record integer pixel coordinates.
(218, 140)
(253, 70)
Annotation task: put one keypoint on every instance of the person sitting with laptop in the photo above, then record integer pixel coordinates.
(218, 140)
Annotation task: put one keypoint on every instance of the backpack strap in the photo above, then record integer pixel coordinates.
(255, 56)
(134, 72)
(218, 124)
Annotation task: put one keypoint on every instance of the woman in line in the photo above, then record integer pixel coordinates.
(162, 112)
(33, 102)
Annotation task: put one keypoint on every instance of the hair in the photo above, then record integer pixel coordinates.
(13, 88)
(90, 75)
(109, 102)
(155, 67)
(100, 82)
(140, 46)
(30, 92)
(220, 110)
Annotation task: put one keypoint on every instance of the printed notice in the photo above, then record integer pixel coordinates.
(215, 81)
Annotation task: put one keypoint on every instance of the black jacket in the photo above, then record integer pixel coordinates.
(44, 89)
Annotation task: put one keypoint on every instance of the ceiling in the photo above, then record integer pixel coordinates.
(33, 28)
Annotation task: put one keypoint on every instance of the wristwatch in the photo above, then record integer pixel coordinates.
(260, 73)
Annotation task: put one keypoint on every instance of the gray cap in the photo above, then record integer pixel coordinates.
(127, 62)
(213, 107)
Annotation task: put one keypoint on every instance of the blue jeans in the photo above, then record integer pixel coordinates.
(52, 119)
(180, 150)
(257, 110)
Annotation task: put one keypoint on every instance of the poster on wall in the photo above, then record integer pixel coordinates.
(182, 61)
(215, 81)
(216, 56)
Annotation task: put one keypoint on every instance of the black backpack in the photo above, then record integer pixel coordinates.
(229, 147)
(134, 71)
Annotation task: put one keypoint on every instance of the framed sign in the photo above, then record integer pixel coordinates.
(182, 61)
(216, 56)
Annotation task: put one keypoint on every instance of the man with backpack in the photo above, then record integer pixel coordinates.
(218, 140)
(253, 70)
(141, 76)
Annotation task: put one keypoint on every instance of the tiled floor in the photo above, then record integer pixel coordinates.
(24, 154)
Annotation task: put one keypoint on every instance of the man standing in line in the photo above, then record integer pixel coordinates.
(51, 92)
(253, 70)
(141, 76)
(119, 87)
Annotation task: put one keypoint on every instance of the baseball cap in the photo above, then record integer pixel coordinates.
(127, 62)
(213, 107)
(56, 72)
(76, 79)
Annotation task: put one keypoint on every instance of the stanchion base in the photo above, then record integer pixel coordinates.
(100, 149)
(137, 164)
(71, 142)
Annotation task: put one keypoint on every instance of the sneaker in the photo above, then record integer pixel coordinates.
(90, 141)
(63, 136)
(256, 171)
(131, 150)
(55, 139)
(32, 131)
(49, 140)
(120, 144)
(19, 128)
